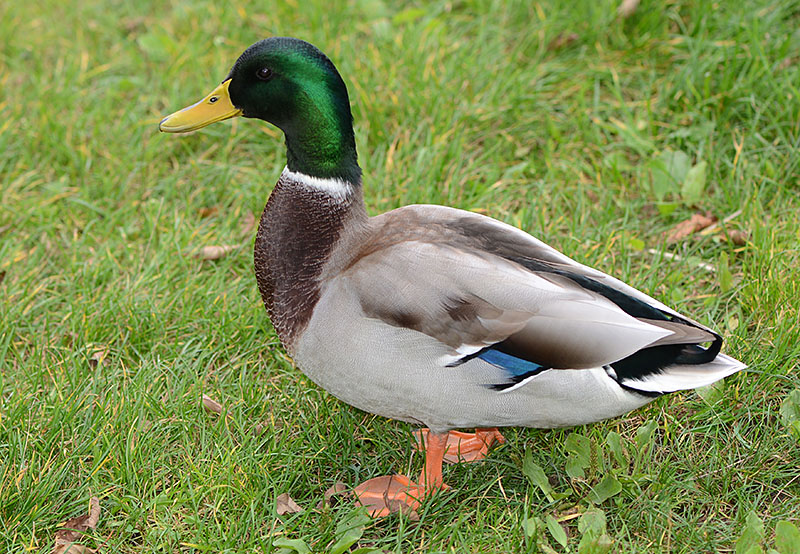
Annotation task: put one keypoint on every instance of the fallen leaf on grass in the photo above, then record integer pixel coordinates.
(285, 505)
(205, 212)
(215, 252)
(330, 497)
(273, 424)
(562, 40)
(738, 237)
(720, 230)
(74, 529)
(72, 548)
(98, 356)
(211, 405)
(627, 8)
(696, 223)
(133, 24)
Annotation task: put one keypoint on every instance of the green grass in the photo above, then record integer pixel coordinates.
(478, 105)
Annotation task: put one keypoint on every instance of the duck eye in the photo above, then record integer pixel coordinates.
(264, 73)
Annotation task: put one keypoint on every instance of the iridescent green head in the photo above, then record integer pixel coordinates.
(291, 84)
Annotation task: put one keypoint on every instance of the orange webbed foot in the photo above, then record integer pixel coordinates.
(397, 493)
(464, 447)
(389, 494)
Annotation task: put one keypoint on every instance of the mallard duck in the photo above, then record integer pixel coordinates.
(429, 314)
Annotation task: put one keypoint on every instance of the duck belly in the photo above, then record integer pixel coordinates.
(399, 373)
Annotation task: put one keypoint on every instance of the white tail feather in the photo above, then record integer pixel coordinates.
(685, 377)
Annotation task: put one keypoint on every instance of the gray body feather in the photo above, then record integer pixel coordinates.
(411, 294)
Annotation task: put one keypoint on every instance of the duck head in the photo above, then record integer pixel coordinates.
(294, 86)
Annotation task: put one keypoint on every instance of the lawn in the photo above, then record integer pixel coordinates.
(599, 134)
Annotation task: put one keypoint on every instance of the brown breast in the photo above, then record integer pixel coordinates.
(299, 230)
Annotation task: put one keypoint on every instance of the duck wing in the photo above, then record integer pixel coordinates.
(485, 289)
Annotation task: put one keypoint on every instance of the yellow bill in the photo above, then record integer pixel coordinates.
(214, 107)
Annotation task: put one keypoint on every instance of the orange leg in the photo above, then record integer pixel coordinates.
(393, 493)
(464, 447)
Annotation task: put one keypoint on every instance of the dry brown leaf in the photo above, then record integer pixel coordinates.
(330, 498)
(211, 405)
(205, 211)
(98, 356)
(72, 548)
(248, 223)
(696, 223)
(285, 505)
(273, 424)
(215, 252)
(133, 24)
(73, 530)
(738, 237)
(562, 40)
(627, 8)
